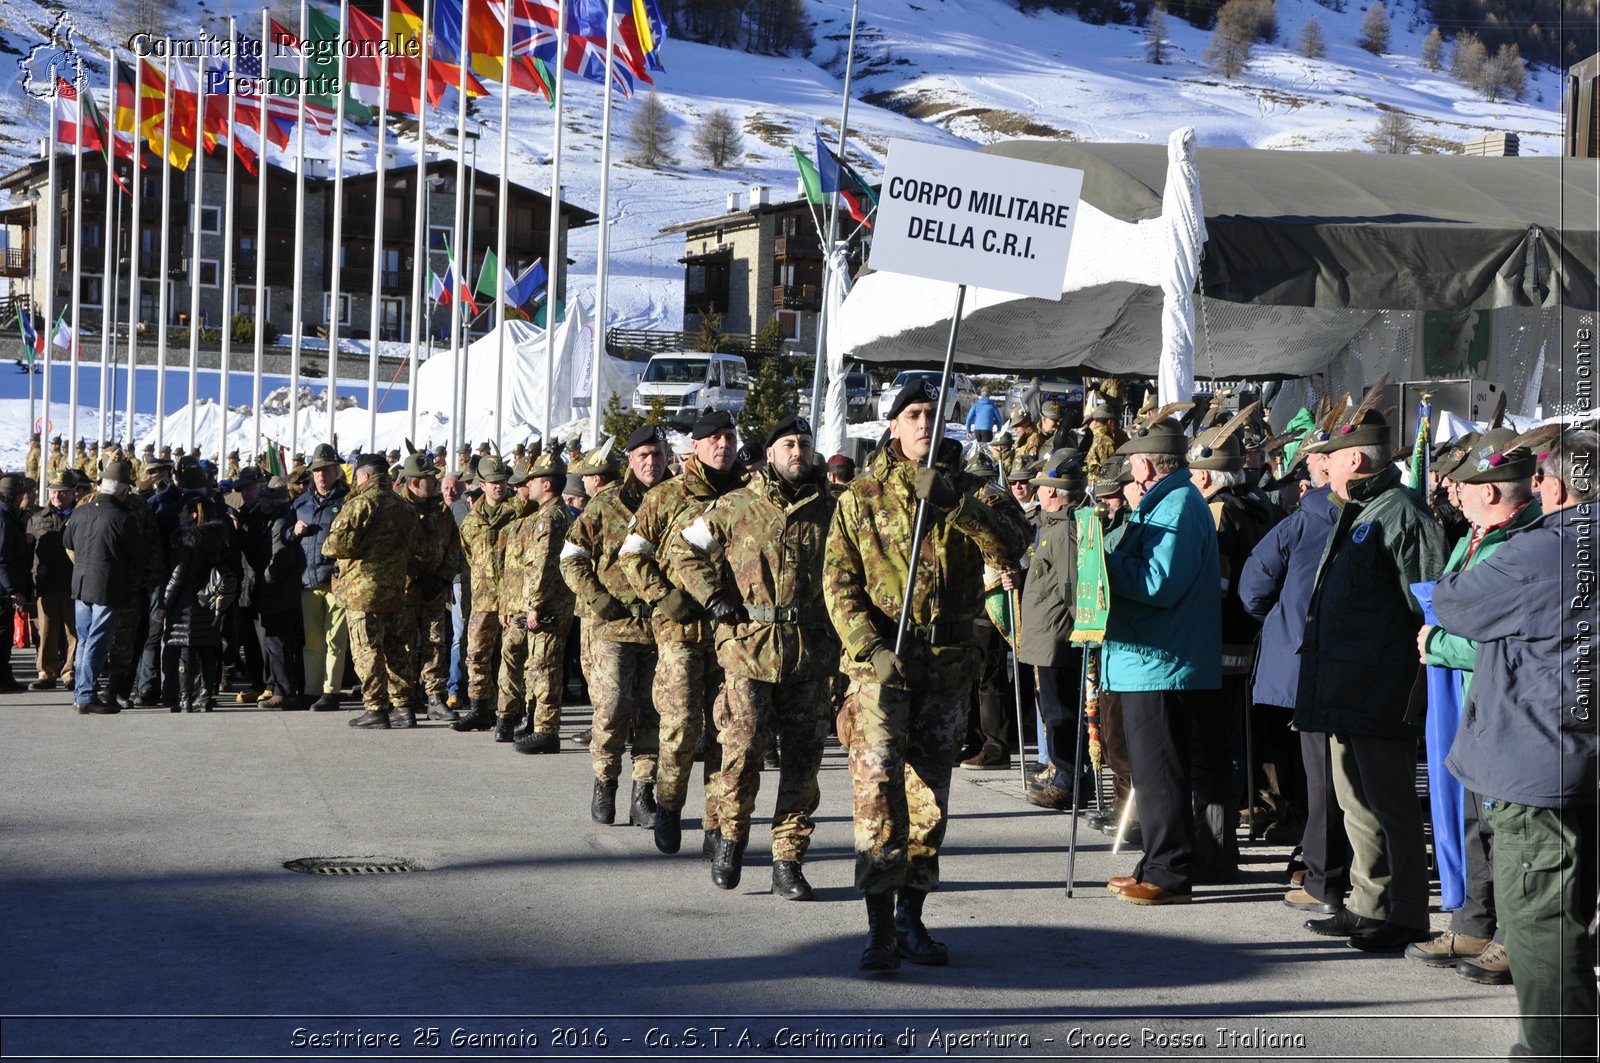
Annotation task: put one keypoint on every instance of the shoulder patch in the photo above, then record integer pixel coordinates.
(1359, 535)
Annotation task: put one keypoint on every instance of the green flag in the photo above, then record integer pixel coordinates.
(809, 178)
(1094, 589)
(488, 277)
(1302, 424)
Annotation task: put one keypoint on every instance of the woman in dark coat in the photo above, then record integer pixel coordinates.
(199, 591)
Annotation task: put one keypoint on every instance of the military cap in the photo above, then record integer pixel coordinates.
(644, 436)
(1101, 412)
(299, 476)
(1051, 410)
(981, 465)
(574, 486)
(1163, 437)
(416, 466)
(394, 454)
(64, 482)
(789, 426)
(1367, 429)
(1019, 417)
(491, 470)
(919, 390)
(842, 461)
(374, 459)
(56, 442)
(248, 475)
(1493, 459)
(484, 447)
(1219, 447)
(158, 465)
(1455, 455)
(323, 456)
(193, 478)
(1060, 469)
(149, 448)
(598, 462)
(1003, 441)
(118, 472)
(709, 424)
(519, 474)
(234, 454)
(1020, 472)
(441, 451)
(550, 463)
(10, 485)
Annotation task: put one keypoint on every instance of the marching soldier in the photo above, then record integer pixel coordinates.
(372, 538)
(622, 655)
(903, 712)
(686, 680)
(593, 471)
(435, 560)
(483, 542)
(544, 607)
(753, 559)
(513, 637)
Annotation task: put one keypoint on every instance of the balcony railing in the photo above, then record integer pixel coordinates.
(797, 296)
(797, 247)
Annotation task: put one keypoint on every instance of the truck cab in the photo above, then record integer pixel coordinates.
(690, 383)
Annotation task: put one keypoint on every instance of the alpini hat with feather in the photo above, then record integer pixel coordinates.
(1219, 448)
(1365, 427)
(1159, 434)
(1502, 455)
(599, 461)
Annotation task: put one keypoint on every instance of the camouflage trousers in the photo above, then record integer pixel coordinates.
(429, 625)
(901, 748)
(379, 650)
(513, 663)
(483, 654)
(619, 686)
(687, 681)
(546, 669)
(748, 713)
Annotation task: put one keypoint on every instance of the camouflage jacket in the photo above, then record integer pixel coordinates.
(483, 541)
(31, 466)
(765, 547)
(436, 555)
(868, 555)
(668, 506)
(372, 538)
(1027, 447)
(533, 548)
(1019, 525)
(1106, 442)
(589, 560)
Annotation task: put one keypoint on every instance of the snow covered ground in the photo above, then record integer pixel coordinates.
(944, 71)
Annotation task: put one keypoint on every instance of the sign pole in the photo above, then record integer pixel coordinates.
(933, 453)
(1077, 771)
(1016, 688)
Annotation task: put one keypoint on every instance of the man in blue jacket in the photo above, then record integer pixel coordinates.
(983, 418)
(1163, 646)
(311, 515)
(1527, 743)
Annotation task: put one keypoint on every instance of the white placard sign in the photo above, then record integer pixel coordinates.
(974, 218)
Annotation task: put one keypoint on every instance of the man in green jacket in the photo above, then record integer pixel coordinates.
(1495, 487)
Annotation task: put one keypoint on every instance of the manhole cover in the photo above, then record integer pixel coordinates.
(351, 865)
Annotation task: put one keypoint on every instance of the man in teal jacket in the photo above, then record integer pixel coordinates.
(1163, 644)
(1496, 491)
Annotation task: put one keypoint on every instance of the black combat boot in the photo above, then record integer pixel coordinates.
(326, 703)
(539, 742)
(402, 716)
(708, 847)
(910, 936)
(481, 718)
(603, 805)
(378, 718)
(789, 882)
(642, 808)
(438, 710)
(524, 727)
(669, 829)
(880, 953)
(727, 862)
(503, 728)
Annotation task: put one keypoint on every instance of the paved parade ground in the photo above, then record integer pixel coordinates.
(143, 877)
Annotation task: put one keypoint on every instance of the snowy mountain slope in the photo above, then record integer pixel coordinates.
(936, 70)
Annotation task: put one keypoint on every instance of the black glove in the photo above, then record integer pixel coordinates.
(605, 607)
(937, 490)
(727, 611)
(890, 668)
(678, 606)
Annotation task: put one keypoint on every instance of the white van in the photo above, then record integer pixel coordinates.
(690, 382)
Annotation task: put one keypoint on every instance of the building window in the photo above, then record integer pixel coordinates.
(391, 269)
(344, 307)
(211, 220)
(439, 237)
(244, 301)
(209, 271)
(90, 289)
(247, 251)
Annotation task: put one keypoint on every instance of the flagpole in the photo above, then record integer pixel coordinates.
(52, 213)
(225, 278)
(466, 257)
(602, 272)
(110, 236)
(163, 299)
(259, 325)
(375, 316)
(554, 260)
(297, 324)
(421, 260)
(819, 371)
(503, 236)
(196, 245)
(338, 219)
(81, 85)
(135, 240)
(463, 195)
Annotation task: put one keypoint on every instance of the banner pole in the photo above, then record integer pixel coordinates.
(1077, 770)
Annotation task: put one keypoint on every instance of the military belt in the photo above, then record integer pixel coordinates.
(947, 633)
(784, 614)
(641, 610)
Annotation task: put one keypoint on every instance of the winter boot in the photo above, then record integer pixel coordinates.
(911, 937)
(669, 829)
(603, 805)
(880, 953)
(642, 808)
(789, 881)
(504, 727)
(481, 718)
(727, 862)
(438, 710)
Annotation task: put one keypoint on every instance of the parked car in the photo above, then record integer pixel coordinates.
(690, 383)
(960, 393)
(1067, 391)
(859, 387)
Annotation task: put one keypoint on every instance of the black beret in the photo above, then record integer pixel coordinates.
(645, 435)
(373, 460)
(789, 426)
(922, 390)
(709, 424)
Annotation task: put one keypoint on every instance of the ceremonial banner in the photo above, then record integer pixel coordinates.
(1094, 591)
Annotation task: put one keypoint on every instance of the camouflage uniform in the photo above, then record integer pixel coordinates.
(686, 680)
(513, 639)
(900, 813)
(534, 549)
(372, 538)
(762, 544)
(622, 649)
(53, 467)
(31, 466)
(483, 543)
(435, 559)
(1107, 438)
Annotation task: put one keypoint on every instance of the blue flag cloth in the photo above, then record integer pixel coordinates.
(1446, 795)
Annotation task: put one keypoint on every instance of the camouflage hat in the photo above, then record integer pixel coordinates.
(491, 470)
(1051, 410)
(1062, 469)
(549, 464)
(416, 466)
(1163, 437)
(323, 456)
(1493, 459)
(598, 462)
